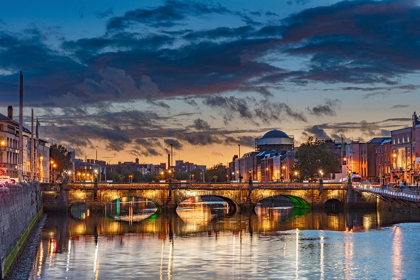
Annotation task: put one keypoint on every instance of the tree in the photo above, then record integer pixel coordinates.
(313, 156)
(217, 173)
(61, 157)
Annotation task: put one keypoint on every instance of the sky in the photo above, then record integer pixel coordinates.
(130, 78)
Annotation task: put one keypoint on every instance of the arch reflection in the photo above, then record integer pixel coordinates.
(79, 211)
(281, 208)
(201, 210)
(131, 209)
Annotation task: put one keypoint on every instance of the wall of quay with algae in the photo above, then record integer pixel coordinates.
(20, 209)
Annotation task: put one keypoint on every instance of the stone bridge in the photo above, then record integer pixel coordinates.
(169, 195)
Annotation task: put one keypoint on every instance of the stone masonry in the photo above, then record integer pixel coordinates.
(20, 207)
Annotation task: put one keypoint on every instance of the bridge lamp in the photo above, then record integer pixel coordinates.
(321, 173)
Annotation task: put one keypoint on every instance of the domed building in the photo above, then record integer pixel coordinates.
(275, 140)
(272, 159)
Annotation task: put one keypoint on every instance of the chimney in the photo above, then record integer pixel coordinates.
(10, 112)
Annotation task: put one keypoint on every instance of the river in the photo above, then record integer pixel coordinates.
(197, 243)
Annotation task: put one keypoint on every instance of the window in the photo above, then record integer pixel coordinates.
(408, 139)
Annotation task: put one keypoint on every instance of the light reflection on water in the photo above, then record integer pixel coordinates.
(303, 245)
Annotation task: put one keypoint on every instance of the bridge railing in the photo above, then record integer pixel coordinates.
(406, 194)
(205, 185)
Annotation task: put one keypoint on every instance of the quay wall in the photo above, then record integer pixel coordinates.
(20, 209)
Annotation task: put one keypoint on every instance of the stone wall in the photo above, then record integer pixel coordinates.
(20, 208)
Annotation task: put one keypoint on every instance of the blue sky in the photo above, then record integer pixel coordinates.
(134, 77)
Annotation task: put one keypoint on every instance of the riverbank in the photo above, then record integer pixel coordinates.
(21, 269)
(20, 210)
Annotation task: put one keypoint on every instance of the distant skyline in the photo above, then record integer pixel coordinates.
(132, 78)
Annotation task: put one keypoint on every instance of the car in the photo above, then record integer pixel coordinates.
(4, 181)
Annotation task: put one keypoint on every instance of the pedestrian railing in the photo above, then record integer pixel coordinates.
(406, 194)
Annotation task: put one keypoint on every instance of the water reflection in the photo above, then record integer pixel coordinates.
(202, 210)
(130, 209)
(79, 211)
(309, 245)
(397, 251)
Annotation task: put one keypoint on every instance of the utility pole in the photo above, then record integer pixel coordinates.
(172, 156)
(32, 147)
(20, 158)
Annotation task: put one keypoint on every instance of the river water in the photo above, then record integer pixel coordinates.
(195, 243)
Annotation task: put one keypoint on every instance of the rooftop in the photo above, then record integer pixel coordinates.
(275, 134)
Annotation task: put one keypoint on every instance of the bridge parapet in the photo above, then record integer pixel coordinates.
(206, 186)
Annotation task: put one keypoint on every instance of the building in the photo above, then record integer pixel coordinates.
(272, 160)
(90, 170)
(9, 151)
(404, 160)
(181, 166)
(378, 161)
(383, 161)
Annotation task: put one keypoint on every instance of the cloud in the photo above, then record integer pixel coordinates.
(317, 132)
(251, 109)
(399, 106)
(175, 143)
(104, 14)
(167, 15)
(328, 109)
(200, 124)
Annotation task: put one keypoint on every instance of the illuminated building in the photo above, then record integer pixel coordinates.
(9, 150)
(272, 160)
(405, 153)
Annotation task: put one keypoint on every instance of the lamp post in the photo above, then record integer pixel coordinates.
(130, 177)
(285, 173)
(239, 163)
(296, 175)
(266, 174)
(394, 165)
(2, 149)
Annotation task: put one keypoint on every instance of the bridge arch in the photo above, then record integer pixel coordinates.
(333, 204)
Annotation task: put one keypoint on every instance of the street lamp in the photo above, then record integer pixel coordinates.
(296, 175)
(285, 173)
(130, 178)
(394, 165)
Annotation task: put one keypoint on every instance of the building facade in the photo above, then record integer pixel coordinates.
(9, 151)
(272, 160)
